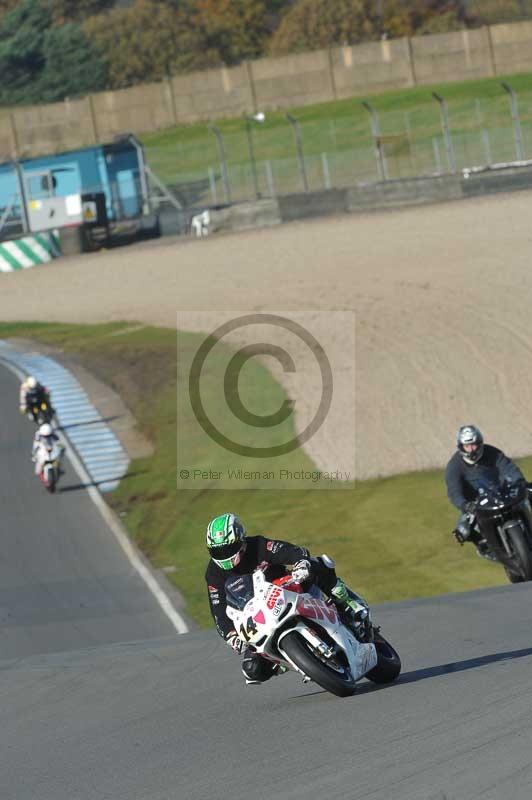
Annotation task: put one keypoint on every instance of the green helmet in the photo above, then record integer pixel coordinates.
(226, 537)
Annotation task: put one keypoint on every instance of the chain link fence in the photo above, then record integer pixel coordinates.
(266, 157)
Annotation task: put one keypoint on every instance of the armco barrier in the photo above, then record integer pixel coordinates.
(261, 214)
(28, 251)
(508, 180)
(313, 204)
(410, 191)
(368, 197)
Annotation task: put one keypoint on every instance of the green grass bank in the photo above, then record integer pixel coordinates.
(409, 120)
(390, 537)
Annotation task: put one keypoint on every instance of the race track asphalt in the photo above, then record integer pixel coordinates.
(65, 583)
(172, 719)
(99, 702)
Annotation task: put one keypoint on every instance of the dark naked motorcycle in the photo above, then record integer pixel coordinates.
(39, 408)
(504, 518)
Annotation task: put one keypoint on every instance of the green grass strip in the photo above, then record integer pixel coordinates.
(391, 537)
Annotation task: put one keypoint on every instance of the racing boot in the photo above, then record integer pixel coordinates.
(352, 608)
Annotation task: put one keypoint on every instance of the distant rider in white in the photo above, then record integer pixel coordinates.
(44, 438)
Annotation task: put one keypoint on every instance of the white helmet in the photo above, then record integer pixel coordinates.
(45, 430)
(470, 443)
(31, 382)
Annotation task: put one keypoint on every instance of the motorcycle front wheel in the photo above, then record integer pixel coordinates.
(337, 680)
(522, 556)
(51, 480)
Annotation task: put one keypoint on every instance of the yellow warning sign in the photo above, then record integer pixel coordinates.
(89, 211)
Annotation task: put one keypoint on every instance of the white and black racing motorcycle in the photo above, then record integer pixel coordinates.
(49, 456)
(303, 631)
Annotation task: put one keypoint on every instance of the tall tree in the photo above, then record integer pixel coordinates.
(77, 10)
(72, 64)
(411, 17)
(22, 32)
(148, 41)
(235, 29)
(489, 12)
(39, 62)
(7, 5)
(315, 24)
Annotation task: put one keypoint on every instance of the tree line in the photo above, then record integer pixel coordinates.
(52, 49)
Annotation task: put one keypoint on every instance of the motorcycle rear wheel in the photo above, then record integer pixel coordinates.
(300, 652)
(388, 664)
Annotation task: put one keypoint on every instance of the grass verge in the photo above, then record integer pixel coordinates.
(390, 537)
(479, 119)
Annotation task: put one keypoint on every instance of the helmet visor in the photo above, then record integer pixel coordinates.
(227, 556)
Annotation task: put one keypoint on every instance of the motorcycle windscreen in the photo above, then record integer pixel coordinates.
(239, 590)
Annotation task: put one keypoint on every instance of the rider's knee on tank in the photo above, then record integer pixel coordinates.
(325, 576)
(463, 527)
(323, 573)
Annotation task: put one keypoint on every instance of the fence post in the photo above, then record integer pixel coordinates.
(436, 151)
(212, 184)
(487, 146)
(331, 74)
(411, 61)
(491, 49)
(14, 135)
(93, 119)
(251, 82)
(170, 90)
(446, 133)
(382, 167)
(258, 117)
(221, 152)
(299, 147)
(325, 168)
(518, 134)
(269, 178)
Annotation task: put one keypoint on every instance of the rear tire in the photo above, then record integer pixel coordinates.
(388, 664)
(523, 556)
(301, 653)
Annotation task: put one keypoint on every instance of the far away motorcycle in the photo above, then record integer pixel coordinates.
(303, 631)
(504, 518)
(49, 456)
(40, 410)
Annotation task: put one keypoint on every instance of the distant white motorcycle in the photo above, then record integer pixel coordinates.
(48, 457)
(302, 631)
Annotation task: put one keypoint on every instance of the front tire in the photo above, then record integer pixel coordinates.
(388, 664)
(51, 480)
(339, 683)
(523, 556)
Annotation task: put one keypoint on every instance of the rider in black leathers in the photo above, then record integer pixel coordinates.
(233, 553)
(475, 464)
(33, 393)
